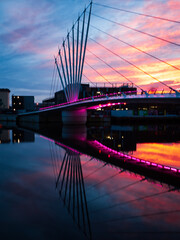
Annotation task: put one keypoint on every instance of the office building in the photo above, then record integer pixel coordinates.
(4, 98)
(23, 103)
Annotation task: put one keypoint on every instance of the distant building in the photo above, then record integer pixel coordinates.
(48, 102)
(4, 98)
(87, 91)
(23, 103)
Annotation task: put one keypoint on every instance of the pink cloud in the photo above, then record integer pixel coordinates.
(161, 49)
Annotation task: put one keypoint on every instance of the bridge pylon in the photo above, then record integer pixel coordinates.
(71, 56)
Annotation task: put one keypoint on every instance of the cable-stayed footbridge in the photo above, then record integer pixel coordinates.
(70, 62)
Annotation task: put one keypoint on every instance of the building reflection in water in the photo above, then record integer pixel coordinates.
(20, 136)
(5, 136)
(126, 137)
(70, 185)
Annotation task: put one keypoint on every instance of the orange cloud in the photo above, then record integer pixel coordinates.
(160, 49)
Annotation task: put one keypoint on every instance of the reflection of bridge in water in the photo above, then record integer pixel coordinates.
(69, 181)
(107, 150)
(70, 184)
(94, 148)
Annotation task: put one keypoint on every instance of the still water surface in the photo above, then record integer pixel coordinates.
(48, 191)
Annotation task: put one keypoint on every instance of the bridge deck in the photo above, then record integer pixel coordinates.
(110, 100)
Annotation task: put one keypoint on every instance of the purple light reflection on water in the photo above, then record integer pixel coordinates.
(61, 144)
(117, 153)
(170, 169)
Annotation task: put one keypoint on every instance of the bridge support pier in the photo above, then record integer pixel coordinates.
(74, 117)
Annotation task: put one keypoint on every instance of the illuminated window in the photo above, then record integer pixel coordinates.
(17, 96)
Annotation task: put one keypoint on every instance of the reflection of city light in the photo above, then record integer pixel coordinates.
(18, 140)
(109, 137)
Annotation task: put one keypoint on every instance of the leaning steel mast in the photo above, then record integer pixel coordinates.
(71, 56)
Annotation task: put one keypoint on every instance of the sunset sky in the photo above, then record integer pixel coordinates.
(31, 32)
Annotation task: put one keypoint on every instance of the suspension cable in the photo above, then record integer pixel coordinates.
(135, 47)
(98, 73)
(115, 70)
(132, 64)
(89, 79)
(135, 29)
(111, 68)
(137, 13)
(55, 79)
(52, 81)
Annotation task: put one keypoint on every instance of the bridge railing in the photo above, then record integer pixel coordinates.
(110, 95)
(92, 98)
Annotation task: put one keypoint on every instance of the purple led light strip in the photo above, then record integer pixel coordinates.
(87, 98)
(109, 150)
(106, 105)
(60, 144)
